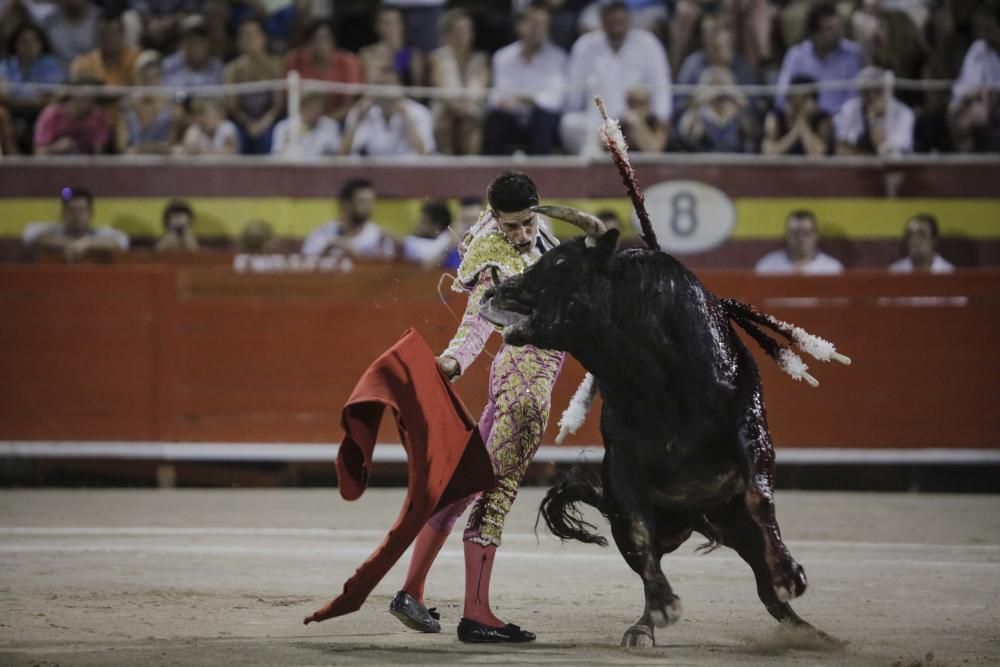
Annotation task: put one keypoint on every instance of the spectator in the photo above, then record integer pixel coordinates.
(391, 47)
(945, 50)
(608, 63)
(825, 56)
(257, 238)
(150, 122)
(321, 60)
(718, 51)
(354, 235)
(801, 128)
(875, 123)
(75, 238)
(455, 65)
(318, 134)
(74, 126)
(30, 60)
(423, 21)
(643, 131)
(211, 133)
(975, 109)
(389, 124)
(178, 229)
(72, 28)
(531, 63)
(162, 20)
(218, 25)
(193, 65)
(801, 253)
(113, 62)
(719, 119)
(255, 113)
(921, 237)
(430, 240)
(287, 22)
(898, 49)
(469, 209)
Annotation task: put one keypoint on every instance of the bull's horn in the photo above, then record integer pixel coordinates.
(589, 223)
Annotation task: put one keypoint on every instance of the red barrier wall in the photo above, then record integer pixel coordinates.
(199, 353)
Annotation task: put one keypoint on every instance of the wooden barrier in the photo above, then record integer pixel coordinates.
(200, 353)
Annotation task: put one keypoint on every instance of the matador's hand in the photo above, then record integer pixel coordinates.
(448, 366)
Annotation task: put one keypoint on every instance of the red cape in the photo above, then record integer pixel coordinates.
(447, 457)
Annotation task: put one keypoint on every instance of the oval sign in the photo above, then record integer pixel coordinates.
(688, 216)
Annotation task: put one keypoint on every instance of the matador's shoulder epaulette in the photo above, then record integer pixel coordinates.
(489, 249)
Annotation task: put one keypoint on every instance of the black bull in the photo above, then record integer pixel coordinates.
(687, 446)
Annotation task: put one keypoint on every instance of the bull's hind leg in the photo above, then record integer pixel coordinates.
(634, 528)
(788, 579)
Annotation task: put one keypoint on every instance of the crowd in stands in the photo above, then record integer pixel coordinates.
(434, 241)
(524, 73)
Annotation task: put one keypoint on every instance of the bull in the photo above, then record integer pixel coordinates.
(687, 447)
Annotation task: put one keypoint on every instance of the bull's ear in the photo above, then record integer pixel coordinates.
(606, 245)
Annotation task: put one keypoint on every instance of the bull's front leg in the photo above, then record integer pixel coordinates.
(634, 528)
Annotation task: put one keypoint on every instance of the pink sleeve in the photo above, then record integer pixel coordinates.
(45, 127)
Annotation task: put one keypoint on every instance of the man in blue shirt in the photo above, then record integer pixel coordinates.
(825, 56)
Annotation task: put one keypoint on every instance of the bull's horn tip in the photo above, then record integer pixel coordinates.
(813, 382)
(842, 358)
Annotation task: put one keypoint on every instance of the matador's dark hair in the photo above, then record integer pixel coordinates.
(512, 191)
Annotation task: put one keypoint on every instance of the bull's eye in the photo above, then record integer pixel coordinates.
(561, 263)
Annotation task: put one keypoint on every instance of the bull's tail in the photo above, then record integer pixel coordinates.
(751, 320)
(582, 484)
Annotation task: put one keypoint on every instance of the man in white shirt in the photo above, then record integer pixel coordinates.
(531, 63)
(801, 253)
(74, 237)
(874, 123)
(430, 240)
(354, 235)
(921, 239)
(975, 109)
(608, 63)
(388, 125)
(318, 134)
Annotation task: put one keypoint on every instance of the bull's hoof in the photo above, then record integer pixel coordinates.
(638, 636)
(792, 584)
(669, 614)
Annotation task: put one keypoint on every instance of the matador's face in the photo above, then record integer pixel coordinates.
(520, 228)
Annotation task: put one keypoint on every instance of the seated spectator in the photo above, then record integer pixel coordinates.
(643, 131)
(802, 128)
(255, 113)
(945, 50)
(112, 61)
(455, 65)
(354, 234)
(178, 229)
(257, 238)
(899, 49)
(287, 20)
(975, 109)
(429, 242)
(920, 238)
(801, 253)
(391, 47)
(75, 238)
(719, 51)
(423, 21)
(162, 20)
(29, 60)
(74, 126)
(531, 63)
(875, 123)
(193, 65)
(72, 28)
(609, 63)
(388, 125)
(318, 134)
(150, 122)
(825, 56)
(719, 119)
(210, 133)
(319, 59)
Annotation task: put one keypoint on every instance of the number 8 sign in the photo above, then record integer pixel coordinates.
(688, 216)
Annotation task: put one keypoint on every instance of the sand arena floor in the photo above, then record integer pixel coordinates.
(144, 577)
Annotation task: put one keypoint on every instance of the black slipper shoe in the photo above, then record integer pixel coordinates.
(413, 614)
(474, 632)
